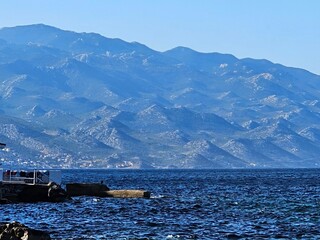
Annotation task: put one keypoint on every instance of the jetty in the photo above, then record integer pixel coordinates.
(45, 186)
(18, 185)
(31, 186)
(101, 190)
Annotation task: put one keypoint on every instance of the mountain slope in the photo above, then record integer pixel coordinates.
(83, 100)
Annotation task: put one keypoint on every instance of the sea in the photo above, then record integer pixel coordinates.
(184, 204)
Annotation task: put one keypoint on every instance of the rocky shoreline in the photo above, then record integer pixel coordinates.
(19, 231)
(15, 193)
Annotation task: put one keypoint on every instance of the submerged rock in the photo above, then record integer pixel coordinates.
(18, 231)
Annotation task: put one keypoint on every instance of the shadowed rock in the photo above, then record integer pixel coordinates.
(18, 231)
(17, 192)
(86, 189)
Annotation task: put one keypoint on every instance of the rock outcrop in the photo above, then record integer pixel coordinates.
(18, 231)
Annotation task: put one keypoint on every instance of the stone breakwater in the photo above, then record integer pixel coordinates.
(101, 190)
(18, 231)
(15, 193)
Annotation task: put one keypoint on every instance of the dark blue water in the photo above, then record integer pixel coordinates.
(185, 204)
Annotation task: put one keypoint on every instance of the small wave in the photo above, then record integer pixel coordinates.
(158, 196)
(178, 236)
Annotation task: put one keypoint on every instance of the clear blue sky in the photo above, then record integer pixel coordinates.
(283, 31)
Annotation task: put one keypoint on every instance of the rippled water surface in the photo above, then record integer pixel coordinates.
(185, 204)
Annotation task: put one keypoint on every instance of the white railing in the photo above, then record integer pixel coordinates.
(13, 176)
(27, 177)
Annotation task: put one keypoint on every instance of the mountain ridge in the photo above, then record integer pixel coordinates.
(71, 100)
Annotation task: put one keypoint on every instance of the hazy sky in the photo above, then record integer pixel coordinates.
(283, 31)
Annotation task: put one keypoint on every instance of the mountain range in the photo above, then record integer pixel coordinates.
(74, 100)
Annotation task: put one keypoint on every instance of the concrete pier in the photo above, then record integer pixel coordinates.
(128, 194)
(101, 190)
